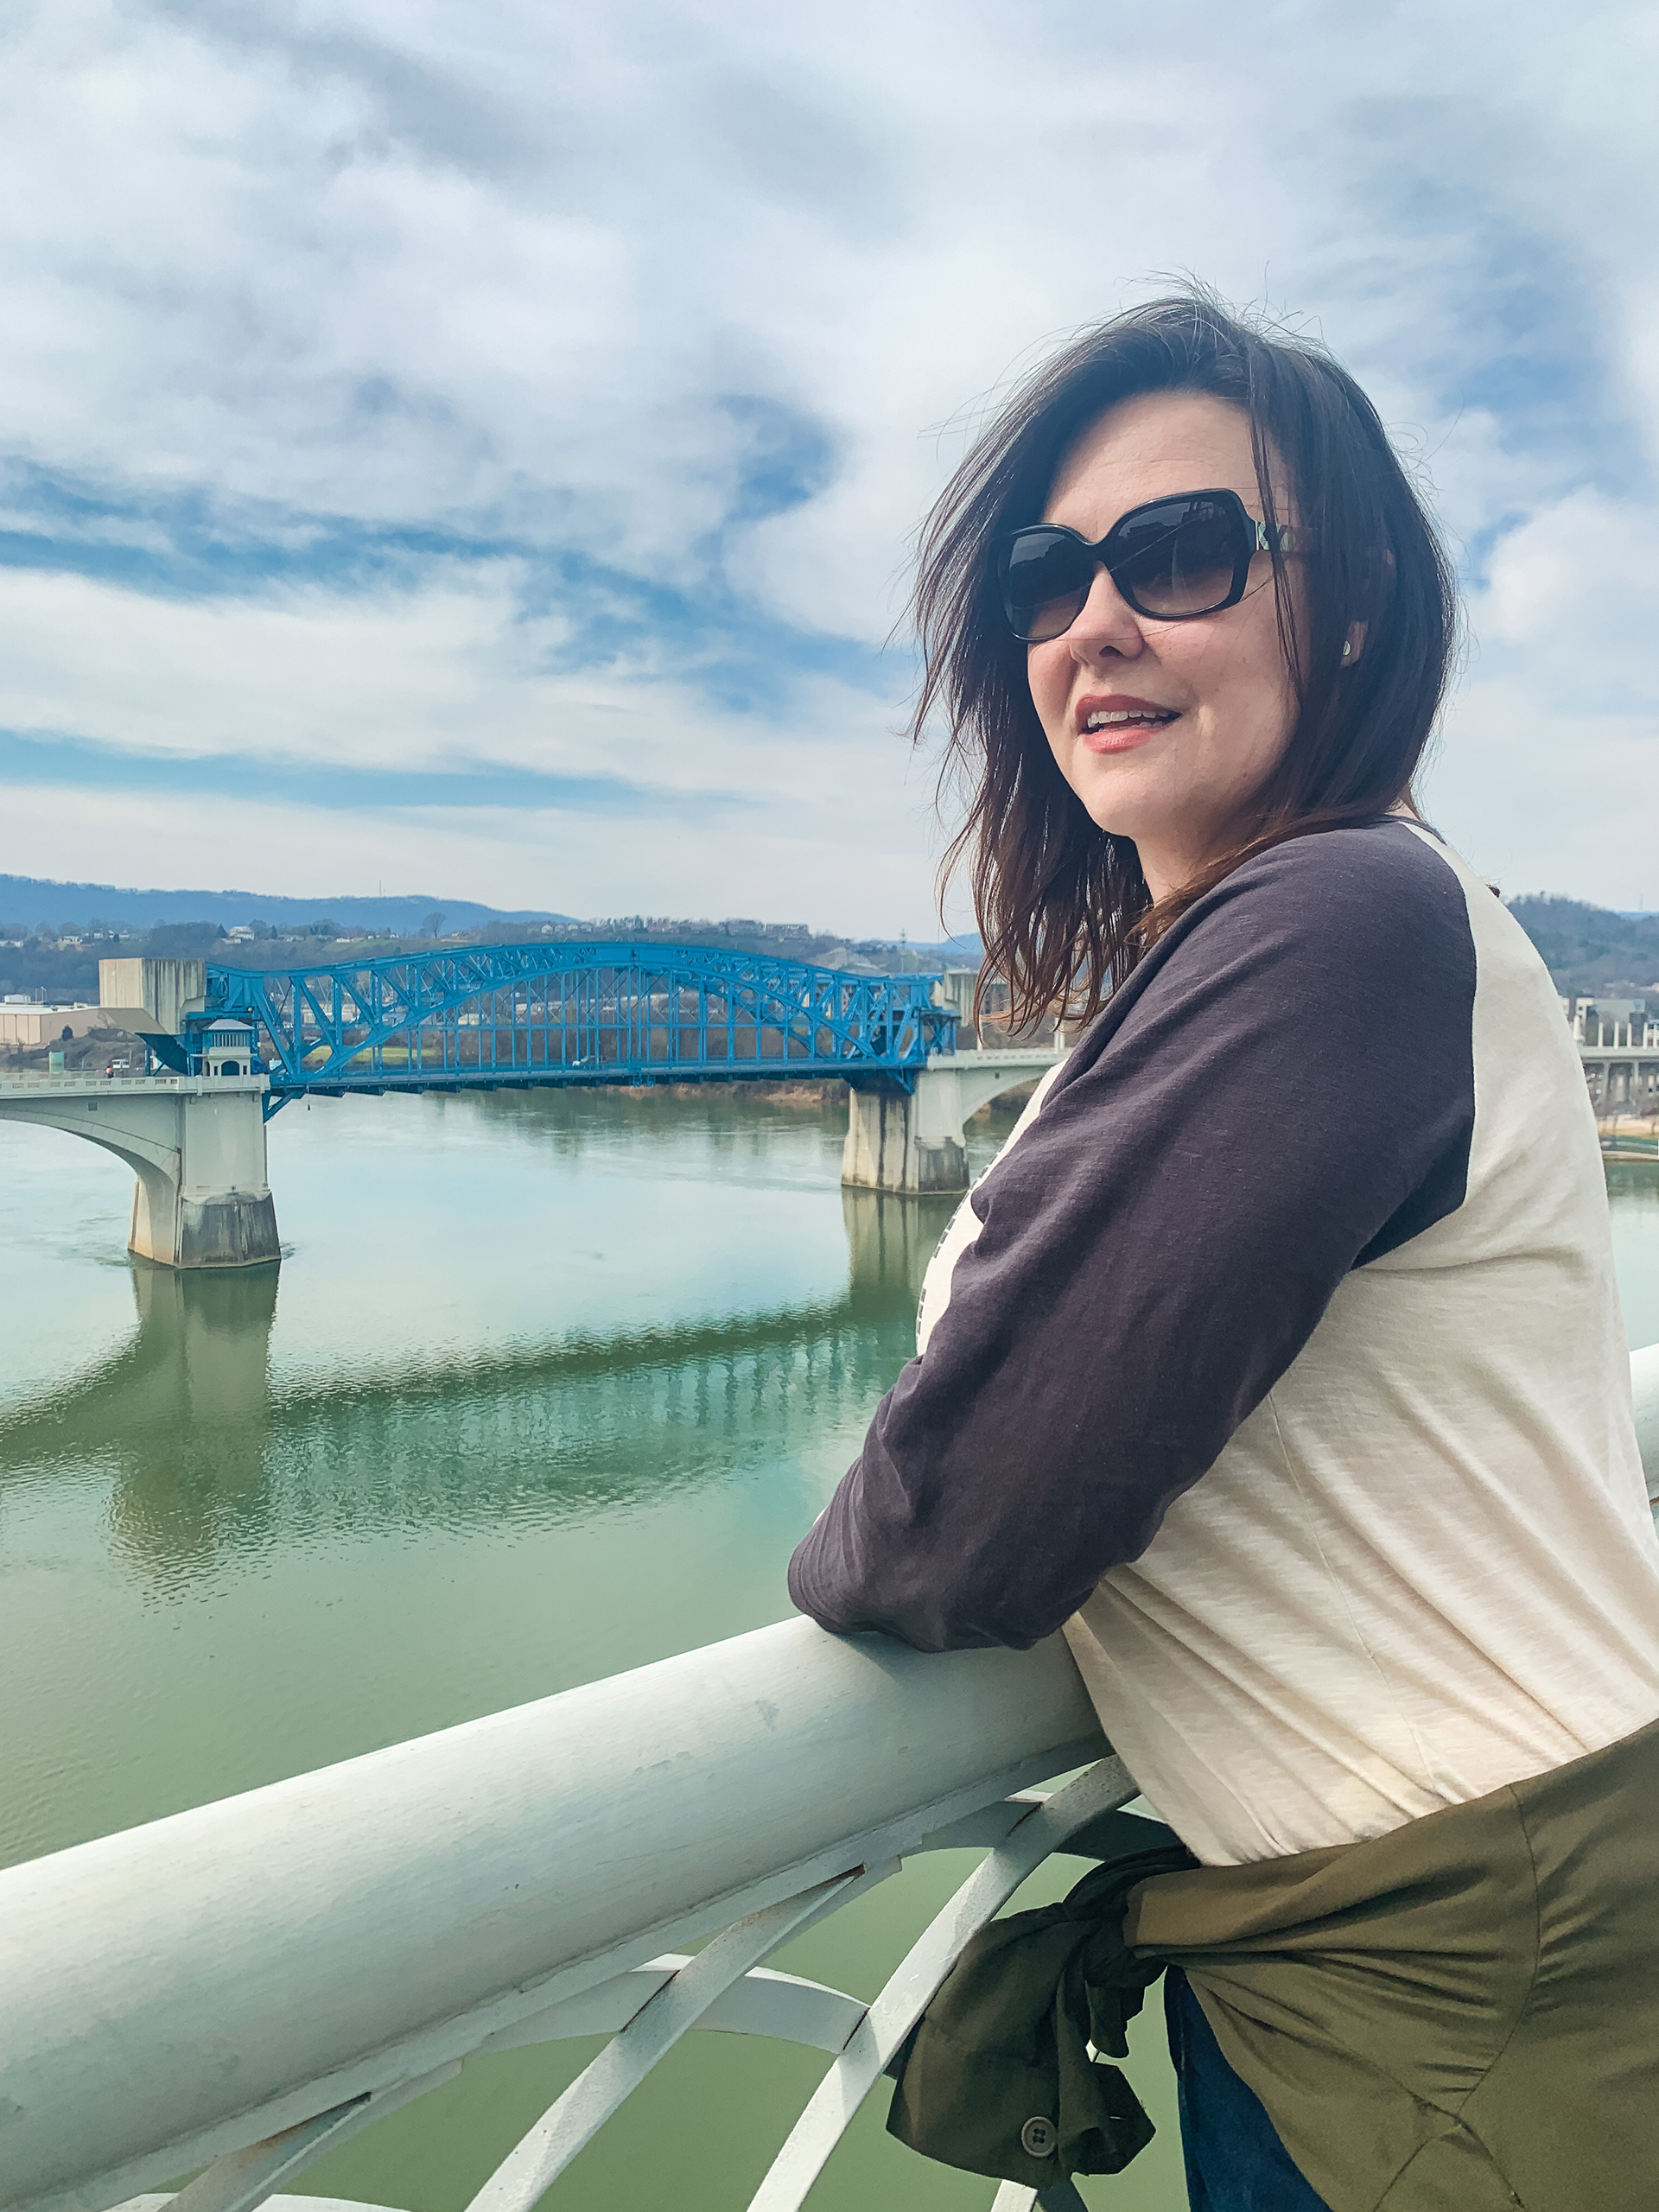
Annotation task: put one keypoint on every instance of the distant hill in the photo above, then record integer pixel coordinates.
(32, 900)
(1590, 949)
(1587, 949)
(100, 918)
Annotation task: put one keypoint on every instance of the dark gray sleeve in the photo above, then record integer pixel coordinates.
(1283, 1091)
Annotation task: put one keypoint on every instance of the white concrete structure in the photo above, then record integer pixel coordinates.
(162, 990)
(196, 1144)
(914, 1140)
(25, 1027)
(1626, 1024)
(246, 1986)
(1618, 1047)
(1623, 1078)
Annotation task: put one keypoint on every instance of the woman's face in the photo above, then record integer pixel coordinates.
(1200, 711)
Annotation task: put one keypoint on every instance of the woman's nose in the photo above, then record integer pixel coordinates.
(1107, 626)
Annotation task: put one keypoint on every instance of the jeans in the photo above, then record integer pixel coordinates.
(1234, 2161)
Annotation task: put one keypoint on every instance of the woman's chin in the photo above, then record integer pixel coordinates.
(1114, 803)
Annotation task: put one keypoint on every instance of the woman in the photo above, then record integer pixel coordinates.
(1278, 1359)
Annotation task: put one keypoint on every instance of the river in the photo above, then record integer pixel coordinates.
(548, 1386)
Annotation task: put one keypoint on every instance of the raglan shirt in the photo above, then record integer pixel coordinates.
(1278, 1359)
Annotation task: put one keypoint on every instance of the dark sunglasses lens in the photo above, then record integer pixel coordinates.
(1045, 580)
(1178, 558)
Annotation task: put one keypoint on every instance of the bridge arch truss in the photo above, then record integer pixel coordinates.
(487, 1015)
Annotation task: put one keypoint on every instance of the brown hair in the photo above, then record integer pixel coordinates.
(1062, 904)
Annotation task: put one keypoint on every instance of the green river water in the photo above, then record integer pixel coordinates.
(547, 1386)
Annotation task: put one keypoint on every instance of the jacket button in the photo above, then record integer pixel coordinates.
(1040, 2137)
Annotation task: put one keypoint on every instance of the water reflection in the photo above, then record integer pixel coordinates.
(213, 1457)
(1632, 1183)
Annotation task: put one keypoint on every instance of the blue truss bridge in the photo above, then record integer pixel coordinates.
(488, 1017)
(235, 1045)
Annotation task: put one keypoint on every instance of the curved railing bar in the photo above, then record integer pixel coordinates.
(780, 2007)
(243, 2180)
(575, 2118)
(902, 2002)
(161, 2202)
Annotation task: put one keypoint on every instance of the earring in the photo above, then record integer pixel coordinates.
(1347, 647)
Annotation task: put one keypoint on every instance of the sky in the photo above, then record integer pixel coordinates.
(474, 447)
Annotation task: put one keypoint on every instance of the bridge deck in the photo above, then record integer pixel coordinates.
(118, 1086)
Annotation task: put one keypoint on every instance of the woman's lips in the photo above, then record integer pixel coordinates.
(1117, 724)
(1123, 736)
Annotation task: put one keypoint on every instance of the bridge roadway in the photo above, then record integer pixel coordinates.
(197, 1142)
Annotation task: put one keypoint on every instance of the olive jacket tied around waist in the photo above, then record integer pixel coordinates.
(1459, 2015)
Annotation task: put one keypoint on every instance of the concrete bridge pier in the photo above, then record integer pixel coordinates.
(197, 1146)
(915, 1141)
(215, 1209)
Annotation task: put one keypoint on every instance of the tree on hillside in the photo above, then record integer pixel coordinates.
(183, 940)
(433, 925)
(1590, 948)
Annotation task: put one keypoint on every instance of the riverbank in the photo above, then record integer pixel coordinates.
(1629, 1136)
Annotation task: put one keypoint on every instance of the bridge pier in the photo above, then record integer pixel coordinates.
(915, 1142)
(215, 1209)
(196, 1145)
(886, 1149)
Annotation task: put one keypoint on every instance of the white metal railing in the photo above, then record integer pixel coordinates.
(124, 1086)
(243, 1987)
(28, 1084)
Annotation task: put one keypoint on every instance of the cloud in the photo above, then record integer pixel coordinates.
(448, 676)
(316, 723)
(1554, 747)
(809, 867)
(453, 391)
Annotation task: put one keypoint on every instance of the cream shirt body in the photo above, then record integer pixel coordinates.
(1425, 1565)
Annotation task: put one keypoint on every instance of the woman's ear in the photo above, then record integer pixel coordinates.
(1377, 590)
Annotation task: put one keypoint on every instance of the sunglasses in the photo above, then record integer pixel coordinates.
(1171, 559)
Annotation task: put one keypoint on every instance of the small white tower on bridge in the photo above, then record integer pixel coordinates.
(227, 1047)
